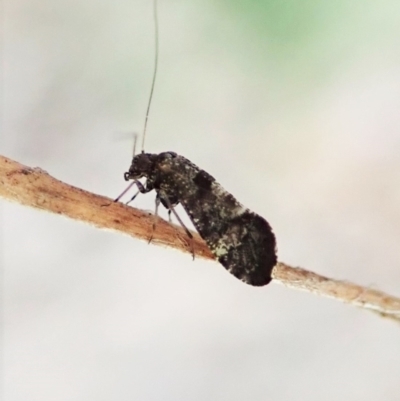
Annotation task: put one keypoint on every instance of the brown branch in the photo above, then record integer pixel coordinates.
(34, 187)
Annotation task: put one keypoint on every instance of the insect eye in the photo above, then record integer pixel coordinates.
(127, 176)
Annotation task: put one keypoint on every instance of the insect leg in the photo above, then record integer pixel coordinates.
(141, 189)
(155, 217)
(133, 198)
(122, 194)
(189, 234)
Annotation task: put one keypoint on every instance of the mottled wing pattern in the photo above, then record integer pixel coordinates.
(247, 248)
(242, 241)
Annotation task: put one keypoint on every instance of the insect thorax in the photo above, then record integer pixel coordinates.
(159, 168)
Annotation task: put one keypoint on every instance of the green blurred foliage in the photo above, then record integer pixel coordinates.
(313, 37)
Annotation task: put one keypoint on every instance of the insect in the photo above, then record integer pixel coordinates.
(241, 240)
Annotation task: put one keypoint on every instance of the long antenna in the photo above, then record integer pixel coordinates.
(155, 71)
(134, 144)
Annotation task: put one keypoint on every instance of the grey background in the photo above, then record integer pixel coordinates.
(293, 107)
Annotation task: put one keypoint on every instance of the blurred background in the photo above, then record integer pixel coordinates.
(294, 108)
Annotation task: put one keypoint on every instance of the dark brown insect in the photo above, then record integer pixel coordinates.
(241, 240)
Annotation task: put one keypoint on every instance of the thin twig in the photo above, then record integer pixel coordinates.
(34, 187)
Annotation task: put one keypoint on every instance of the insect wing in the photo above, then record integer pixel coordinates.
(242, 241)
